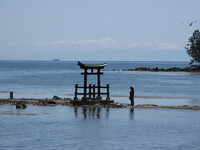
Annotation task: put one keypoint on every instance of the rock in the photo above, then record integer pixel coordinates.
(155, 69)
(162, 69)
(193, 68)
(97, 105)
(56, 98)
(20, 105)
(51, 102)
(46, 102)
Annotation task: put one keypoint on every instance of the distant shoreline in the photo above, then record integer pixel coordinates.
(192, 69)
(63, 60)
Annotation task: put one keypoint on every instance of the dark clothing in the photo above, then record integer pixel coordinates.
(131, 97)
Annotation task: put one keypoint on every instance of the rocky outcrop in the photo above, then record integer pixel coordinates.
(56, 98)
(20, 105)
(38, 102)
(194, 68)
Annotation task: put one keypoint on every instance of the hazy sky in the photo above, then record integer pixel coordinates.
(97, 29)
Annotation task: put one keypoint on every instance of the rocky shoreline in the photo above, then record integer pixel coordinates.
(66, 102)
(37, 102)
(193, 69)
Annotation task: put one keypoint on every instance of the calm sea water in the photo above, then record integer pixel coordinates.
(62, 127)
(79, 128)
(44, 79)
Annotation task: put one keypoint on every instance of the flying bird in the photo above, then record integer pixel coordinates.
(189, 23)
(192, 23)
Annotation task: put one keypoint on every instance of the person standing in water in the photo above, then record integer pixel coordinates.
(131, 97)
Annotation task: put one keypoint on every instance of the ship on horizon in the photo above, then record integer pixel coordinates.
(56, 59)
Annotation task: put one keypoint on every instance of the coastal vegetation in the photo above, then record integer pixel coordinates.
(193, 47)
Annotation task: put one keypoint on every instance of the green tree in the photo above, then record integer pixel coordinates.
(193, 47)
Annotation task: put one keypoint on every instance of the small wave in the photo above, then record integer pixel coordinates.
(4, 91)
(143, 97)
(154, 97)
(20, 114)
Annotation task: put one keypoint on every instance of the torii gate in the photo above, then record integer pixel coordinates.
(90, 67)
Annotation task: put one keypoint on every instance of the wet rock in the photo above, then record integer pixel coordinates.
(174, 69)
(97, 105)
(51, 102)
(156, 69)
(20, 105)
(46, 102)
(56, 98)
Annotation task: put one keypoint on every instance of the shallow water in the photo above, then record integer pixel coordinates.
(62, 127)
(41, 79)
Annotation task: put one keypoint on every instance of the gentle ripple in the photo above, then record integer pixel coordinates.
(41, 79)
(61, 127)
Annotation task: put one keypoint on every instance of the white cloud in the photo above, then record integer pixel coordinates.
(156, 44)
(111, 43)
(102, 41)
(12, 43)
(139, 44)
(167, 45)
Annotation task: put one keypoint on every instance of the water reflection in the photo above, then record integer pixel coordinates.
(90, 112)
(131, 115)
(75, 111)
(107, 112)
(97, 112)
(195, 101)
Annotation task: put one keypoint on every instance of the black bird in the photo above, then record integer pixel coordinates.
(189, 23)
(192, 23)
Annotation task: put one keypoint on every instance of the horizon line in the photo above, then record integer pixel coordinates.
(60, 60)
